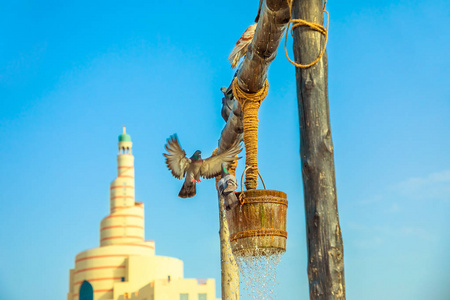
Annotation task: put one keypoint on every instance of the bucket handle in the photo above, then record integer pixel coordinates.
(241, 195)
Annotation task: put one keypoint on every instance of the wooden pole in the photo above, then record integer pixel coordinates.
(230, 270)
(273, 17)
(324, 239)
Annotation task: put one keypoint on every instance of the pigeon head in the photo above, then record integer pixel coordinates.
(197, 155)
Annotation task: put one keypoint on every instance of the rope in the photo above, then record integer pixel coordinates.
(250, 103)
(300, 22)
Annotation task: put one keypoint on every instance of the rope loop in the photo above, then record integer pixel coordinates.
(250, 103)
(245, 171)
(241, 194)
(300, 22)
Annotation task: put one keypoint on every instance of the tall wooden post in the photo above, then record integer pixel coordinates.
(230, 270)
(324, 239)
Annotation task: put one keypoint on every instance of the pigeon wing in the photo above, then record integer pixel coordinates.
(212, 166)
(176, 159)
(221, 185)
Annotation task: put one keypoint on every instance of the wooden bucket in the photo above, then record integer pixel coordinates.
(258, 226)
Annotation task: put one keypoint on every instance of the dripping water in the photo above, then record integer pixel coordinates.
(258, 272)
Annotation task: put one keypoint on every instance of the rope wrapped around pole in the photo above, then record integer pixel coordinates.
(250, 103)
(300, 22)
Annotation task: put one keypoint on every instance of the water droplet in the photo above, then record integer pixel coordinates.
(258, 269)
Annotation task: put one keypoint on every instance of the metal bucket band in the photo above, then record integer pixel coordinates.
(266, 199)
(257, 232)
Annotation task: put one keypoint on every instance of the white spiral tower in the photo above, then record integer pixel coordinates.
(125, 223)
(125, 265)
(121, 236)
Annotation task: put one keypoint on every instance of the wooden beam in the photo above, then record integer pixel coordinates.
(252, 73)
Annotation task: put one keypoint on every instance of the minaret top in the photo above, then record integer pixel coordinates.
(125, 143)
(124, 137)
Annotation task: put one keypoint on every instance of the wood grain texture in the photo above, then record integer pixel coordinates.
(324, 238)
(259, 224)
(229, 268)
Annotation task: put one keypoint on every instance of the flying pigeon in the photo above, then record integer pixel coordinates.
(240, 49)
(227, 185)
(194, 167)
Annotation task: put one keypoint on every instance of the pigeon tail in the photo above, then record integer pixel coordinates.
(188, 190)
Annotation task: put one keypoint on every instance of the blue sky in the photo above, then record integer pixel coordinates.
(72, 73)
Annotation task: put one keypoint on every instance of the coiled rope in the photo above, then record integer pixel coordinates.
(300, 22)
(250, 103)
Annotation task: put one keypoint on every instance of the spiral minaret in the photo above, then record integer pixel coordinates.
(125, 223)
(121, 235)
(125, 265)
